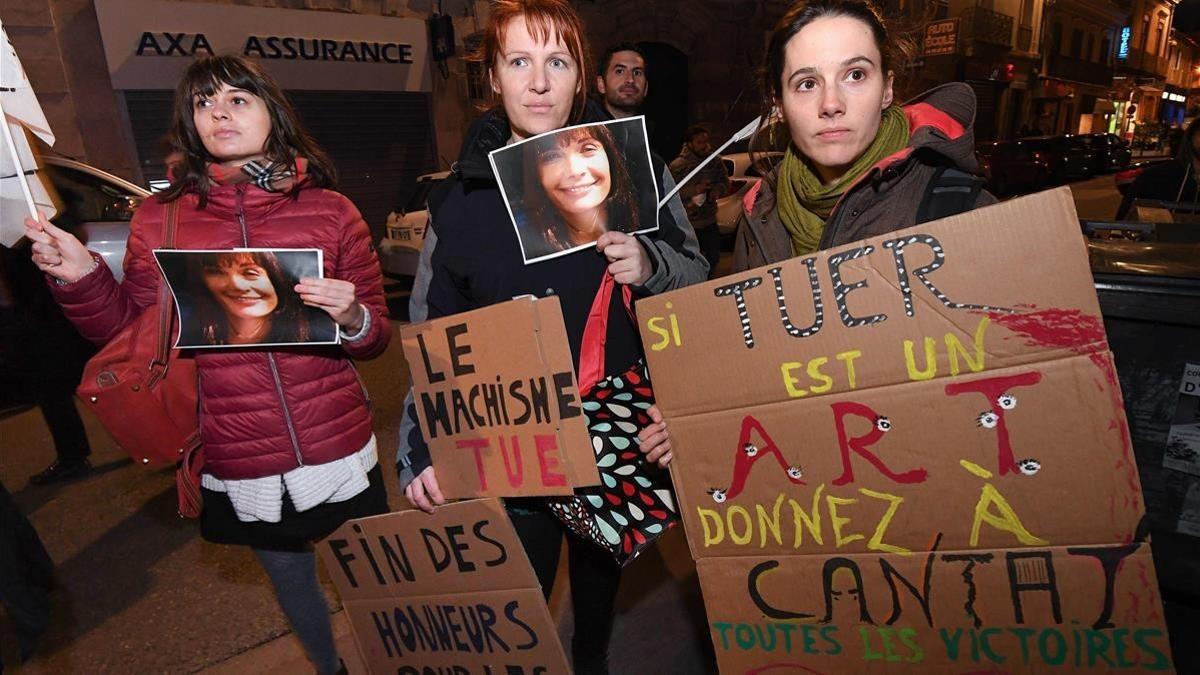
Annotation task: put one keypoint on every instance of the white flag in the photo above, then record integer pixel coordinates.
(20, 187)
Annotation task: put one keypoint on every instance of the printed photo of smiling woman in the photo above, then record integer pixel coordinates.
(244, 297)
(565, 188)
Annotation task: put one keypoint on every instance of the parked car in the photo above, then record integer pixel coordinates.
(1064, 159)
(1105, 152)
(1125, 178)
(40, 351)
(96, 205)
(1011, 167)
(400, 249)
(744, 174)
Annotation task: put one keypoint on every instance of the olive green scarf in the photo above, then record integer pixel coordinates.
(805, 204)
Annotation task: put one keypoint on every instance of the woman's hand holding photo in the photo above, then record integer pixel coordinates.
(57, 252)
(628, 262)
(335, 297)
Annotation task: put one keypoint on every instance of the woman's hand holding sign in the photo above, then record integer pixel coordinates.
(423, 492)
(653, 440)
(628, 262)
(57, 252)
(335, 297)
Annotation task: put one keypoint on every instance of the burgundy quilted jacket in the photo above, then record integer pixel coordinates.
(262, 412)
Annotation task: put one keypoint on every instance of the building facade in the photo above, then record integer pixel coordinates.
(1075, 91)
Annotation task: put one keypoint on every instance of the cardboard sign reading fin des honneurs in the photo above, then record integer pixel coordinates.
(449, 592)
(910, 454)
(497, 401)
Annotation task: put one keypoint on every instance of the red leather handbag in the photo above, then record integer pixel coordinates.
(146, 394)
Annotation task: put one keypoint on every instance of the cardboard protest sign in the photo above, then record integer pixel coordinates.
(245, 296)
(565, 188)
(910, 454)
(497, 400)
(450, 591)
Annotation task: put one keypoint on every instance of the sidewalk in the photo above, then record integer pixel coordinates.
(660, 590)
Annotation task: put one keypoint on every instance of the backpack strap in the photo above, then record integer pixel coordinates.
(950, 192)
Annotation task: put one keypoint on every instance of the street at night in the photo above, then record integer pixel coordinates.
(599, 337)
(140, 586)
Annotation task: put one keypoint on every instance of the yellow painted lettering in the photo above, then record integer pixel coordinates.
(814, 372)
(810, 521)
(769, 523)
(876, 541)
(954, 347)
(715, 534)
(930, 360)
(848, 358)
(790, 382)
(675, 329)
(653, 324)
(747, 533)
(837, 521)
(1005, 519)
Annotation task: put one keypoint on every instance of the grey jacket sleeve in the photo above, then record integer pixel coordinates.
(674, 250)
(412, 453)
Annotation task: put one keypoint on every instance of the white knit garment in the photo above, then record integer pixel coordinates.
(261, 499)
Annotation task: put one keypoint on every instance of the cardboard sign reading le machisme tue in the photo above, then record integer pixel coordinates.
(910, 454)
(497, 401)
(450, 592)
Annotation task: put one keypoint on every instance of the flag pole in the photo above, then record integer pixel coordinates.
(745, 132)
(16, 159)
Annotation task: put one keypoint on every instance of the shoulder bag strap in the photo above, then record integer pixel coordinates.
(595, 333)
(166, 301)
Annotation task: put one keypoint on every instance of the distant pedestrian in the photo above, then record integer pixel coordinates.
(286, 432)
(700, 194)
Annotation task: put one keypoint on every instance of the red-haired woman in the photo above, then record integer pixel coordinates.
(534, 53)
(286, 433)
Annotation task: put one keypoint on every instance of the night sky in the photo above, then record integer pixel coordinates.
(1187, 17)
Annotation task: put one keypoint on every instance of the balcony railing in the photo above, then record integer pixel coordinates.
(1079, 70)
(984, 25)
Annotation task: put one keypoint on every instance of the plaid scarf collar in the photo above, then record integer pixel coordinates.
(267, 175)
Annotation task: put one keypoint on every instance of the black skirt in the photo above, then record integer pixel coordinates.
(295, 530)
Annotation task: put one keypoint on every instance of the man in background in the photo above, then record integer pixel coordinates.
(621, 81)
(700, 194)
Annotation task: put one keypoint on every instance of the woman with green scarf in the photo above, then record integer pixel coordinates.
(857, 164)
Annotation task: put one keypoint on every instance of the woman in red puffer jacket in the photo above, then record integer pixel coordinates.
(286, 431)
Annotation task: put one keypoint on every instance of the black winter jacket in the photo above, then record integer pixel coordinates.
(471, 258)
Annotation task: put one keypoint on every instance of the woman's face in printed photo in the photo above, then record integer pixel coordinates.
(242, 288)
(576, 176)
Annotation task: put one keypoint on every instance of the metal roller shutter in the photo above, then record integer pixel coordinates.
(380, 142)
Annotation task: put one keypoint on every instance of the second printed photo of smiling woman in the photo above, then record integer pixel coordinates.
(245, 297)
(565, 188)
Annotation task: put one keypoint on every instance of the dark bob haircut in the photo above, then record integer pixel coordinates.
(289, 321)
(544, 217)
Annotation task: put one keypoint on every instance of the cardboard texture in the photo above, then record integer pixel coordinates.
(943, 422)
(498, 403)
(452, 591)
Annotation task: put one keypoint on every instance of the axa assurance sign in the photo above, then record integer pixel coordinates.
(149, 43)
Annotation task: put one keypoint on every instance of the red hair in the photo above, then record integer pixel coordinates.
(547, 20)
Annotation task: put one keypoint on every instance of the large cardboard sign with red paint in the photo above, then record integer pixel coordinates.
(497, 400)
(449, 592)
(910, 454)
